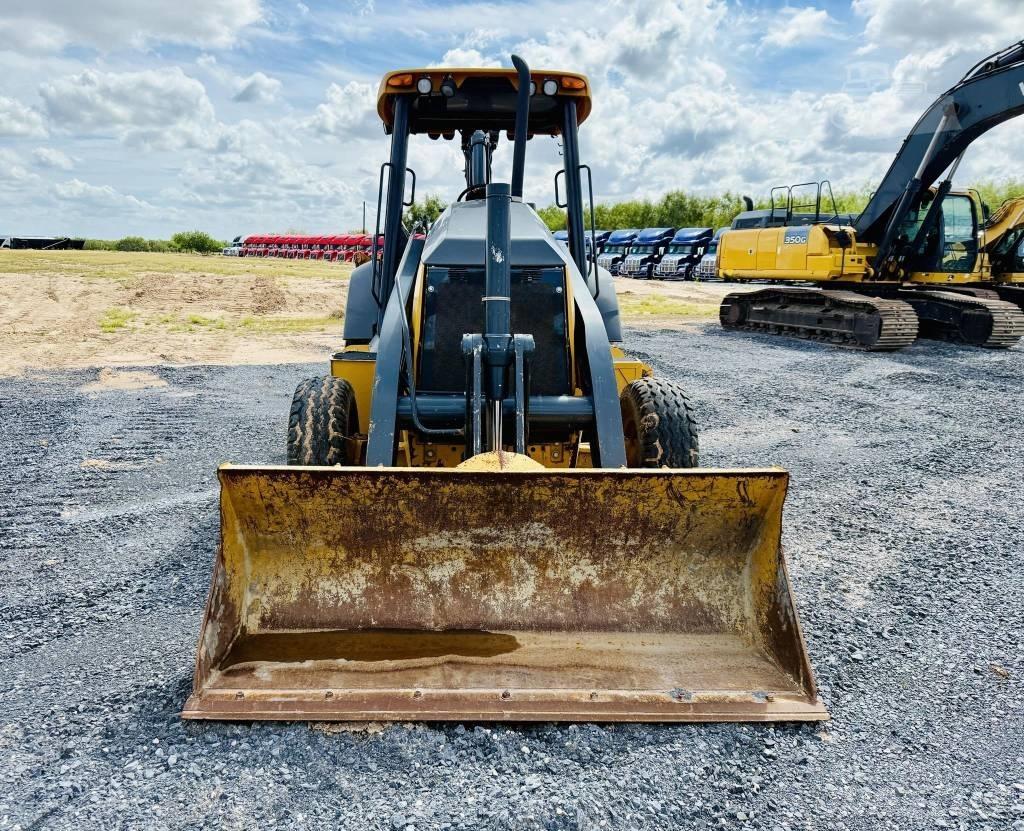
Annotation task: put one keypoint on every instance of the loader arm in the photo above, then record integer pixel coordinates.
(991, 93)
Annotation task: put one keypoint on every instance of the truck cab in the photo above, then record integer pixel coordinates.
(593, 241)
(596, 241)
(683, 254)
(707, 268)
(646, 252)
(616, 249)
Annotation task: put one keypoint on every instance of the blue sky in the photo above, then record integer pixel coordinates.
(242, 116)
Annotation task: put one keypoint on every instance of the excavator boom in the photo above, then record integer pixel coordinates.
(991, 93)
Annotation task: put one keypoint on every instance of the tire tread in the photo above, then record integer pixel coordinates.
(666, 426)
(320, 422)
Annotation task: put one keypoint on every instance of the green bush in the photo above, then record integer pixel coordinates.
(199, 242)
(678, 209)
(675, 209)
(132, 244)
(994, 194)
(424, 212)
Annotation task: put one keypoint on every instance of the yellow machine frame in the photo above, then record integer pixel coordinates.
(815, 253)
(356, 365)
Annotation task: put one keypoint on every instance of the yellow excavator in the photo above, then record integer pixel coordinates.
(913, 261)
(490, 511)
(1002, 246)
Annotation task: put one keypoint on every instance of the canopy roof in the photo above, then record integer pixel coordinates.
(483, 99)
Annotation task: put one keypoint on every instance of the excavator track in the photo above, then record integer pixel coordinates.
(843, 318)
(972, 291)
(962, 318)
(1011, 293)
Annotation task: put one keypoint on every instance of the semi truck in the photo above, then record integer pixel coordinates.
(616, 249)
(683, 254)
(707, 268)
(593, 240)
(596, 241)
(646, 252)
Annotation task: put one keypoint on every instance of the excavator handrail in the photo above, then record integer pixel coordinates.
(990, 93)
(1011, 54)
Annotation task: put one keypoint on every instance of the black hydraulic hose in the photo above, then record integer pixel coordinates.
(1011, 54)
(469, 190)
(407, 347)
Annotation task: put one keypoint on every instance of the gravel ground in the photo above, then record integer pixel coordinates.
(903, 535)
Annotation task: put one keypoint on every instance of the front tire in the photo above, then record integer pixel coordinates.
(322, 423)
(658, 423)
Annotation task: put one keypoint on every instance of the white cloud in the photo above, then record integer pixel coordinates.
(13, 172)
(101, 197)
(162, 108)
(258, 88)
(658, 39)
(968, 26)
(31, 37)
(52, 157)
(266, 189)
(798, 26)
(116, 24)
(348, 111)
(19, 120)
(679, 100)
(461, 56)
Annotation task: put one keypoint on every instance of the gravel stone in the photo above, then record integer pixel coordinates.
(903, 531)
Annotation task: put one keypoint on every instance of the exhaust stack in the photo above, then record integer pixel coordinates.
(522, 120)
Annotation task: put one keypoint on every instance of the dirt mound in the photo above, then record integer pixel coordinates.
(207, 294)
(267, 297)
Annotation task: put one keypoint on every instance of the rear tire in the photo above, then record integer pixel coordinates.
(321, 422)
(659, 426)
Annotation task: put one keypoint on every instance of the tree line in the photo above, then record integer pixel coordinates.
(678, 209)
(192, 242)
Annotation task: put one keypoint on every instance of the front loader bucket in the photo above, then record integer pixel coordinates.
(427, 594)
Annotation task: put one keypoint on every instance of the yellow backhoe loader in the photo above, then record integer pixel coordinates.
(909, 264)
(490, 511)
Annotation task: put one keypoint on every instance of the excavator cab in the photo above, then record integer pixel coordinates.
(490, 511)
(943, 236)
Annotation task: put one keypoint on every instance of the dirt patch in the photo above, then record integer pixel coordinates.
(109, 379)
(75, 309)
(83, 309)
(657, 304)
